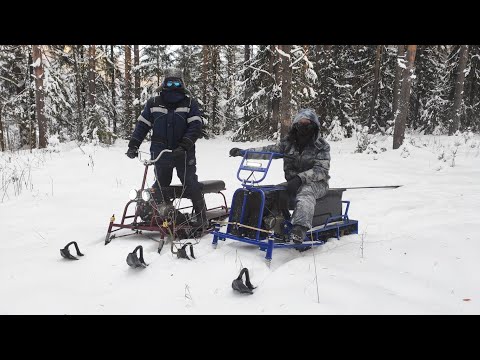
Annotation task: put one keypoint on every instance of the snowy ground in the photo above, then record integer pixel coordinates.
(421, 242)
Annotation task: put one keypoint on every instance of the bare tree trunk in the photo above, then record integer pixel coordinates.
(470, 120)
(317, 67)
(17, 69)
(2, 142)
(230, 61)
(157, 48)
(82, 74)
(285, 105)
(31, 105)
(136, 64)
(39, 97)
(328, 50)
(404, 100)
(326, 65)
(419, 65)
(128, 86)
(246, 76)
(230, 113)
(91, 76)
(271, 59)
(112, 60)
(205, 59)
(214, 64)
(9, 143)
(376, 83)
(459, 84)
(277, 92)
(79, 93)
(398, 80)
(356, 81)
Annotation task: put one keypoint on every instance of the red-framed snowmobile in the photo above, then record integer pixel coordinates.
(155, 211)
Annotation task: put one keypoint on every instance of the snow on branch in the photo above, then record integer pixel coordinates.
(283, 53)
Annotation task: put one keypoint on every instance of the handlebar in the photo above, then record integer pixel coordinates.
(150, 161)
(244, 166)
(275, 154)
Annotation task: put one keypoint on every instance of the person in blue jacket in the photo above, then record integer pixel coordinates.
(176, 121)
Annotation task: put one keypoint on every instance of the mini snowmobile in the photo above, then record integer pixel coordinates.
(260, 214)
(154, 211)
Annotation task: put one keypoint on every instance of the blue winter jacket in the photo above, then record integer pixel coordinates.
(173, 116)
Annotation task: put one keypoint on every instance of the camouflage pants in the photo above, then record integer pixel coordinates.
(305, 202)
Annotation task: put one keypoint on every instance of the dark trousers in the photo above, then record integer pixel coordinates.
(186, 174)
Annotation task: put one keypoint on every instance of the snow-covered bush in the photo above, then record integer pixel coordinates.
(467, 135)
(440, 130)
(405, 150)
(363, 139)
(337, 132)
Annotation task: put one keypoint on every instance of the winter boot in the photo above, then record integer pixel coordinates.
(200, 222)
(297, 234)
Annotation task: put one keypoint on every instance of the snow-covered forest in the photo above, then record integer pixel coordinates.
(96, 92)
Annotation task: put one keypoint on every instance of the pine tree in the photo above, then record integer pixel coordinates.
(77, 68)
(304, 77)
(472, 90)
(154, 60)
(257, 85)
(276, 93)
(39, 96)
(376, 85)
(459, 85)
(400, 64)
(127, 97)
(189, 59)
(430, 89)
(404, 99)
(16, 107)
(285, 102)
(136, 74)
(216, 121)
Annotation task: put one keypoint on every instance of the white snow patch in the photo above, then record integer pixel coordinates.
(420, 241)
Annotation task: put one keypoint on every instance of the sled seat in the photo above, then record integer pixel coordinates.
(328, 206)
(209, 186)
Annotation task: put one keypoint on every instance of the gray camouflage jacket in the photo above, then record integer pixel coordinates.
(313, 164)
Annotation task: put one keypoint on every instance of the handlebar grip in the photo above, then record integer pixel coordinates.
(149, 162)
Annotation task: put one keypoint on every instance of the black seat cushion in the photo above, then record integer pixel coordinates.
(209, 186)
(328, 206)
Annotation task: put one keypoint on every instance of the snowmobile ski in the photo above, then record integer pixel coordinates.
(182, 252)
(238, 284)
(134, 261)
(66, 253)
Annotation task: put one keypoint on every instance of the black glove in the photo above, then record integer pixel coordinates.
(179, 153)
(133, 146)
(186, 143)
(132, 152)
(293, 185)
(236, 152)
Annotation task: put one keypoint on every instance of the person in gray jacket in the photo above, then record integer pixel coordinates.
(306, 168)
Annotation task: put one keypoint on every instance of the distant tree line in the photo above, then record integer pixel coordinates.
(251, 92)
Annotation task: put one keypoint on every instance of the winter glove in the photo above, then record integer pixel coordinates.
(236, 152)
(179, 153)
(186, 143)
(293, 185)
(132, 153)
(133, 146)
